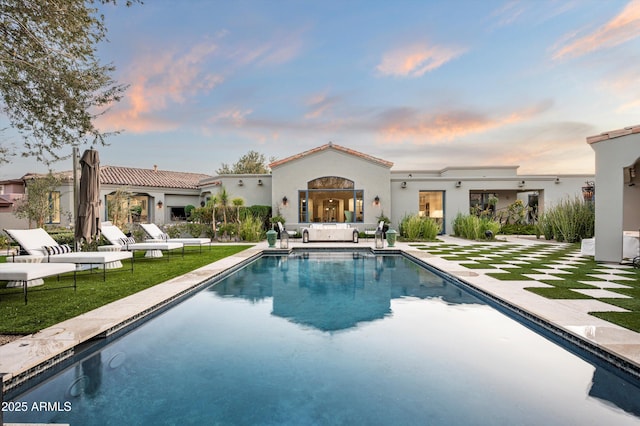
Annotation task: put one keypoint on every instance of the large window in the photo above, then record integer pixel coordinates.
(54, 212)
(482, 202)
(431, 204)
(125, 207)
(330, 199)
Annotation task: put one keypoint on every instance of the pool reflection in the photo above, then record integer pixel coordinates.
(329, 294)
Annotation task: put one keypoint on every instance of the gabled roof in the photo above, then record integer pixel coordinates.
(613, 134)
(332, 146)
(115, 175)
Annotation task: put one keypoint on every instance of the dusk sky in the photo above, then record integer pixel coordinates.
(424, 84)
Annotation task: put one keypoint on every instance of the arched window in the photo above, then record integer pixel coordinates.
(330, 199)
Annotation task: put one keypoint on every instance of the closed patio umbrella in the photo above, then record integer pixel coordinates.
(88, 215)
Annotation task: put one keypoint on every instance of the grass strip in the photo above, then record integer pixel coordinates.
(50, 304)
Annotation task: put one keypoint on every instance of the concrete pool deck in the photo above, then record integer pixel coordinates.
(26, 357)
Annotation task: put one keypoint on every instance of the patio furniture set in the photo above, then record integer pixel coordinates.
(45, 257)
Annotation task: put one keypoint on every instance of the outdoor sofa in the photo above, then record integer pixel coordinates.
(329, 232)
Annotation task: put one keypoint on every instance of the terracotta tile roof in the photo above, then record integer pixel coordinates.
(331, 145)
(613, 134)
(150, 177)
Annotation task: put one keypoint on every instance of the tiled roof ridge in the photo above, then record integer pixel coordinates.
(332, 145)
(612, 134)
(134, 176)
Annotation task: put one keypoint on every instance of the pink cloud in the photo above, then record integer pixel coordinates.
(622, 28)
(405, 124)
(159, 80)
(416, 60)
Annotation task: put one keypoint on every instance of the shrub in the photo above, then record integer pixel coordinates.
(188, 209)
(252, 229)
(419, 228)
(571, 220)
(474, 228)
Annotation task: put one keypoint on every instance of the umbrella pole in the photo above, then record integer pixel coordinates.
(76, 192)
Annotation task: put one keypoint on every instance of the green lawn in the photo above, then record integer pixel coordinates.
(51, 303)
(541, 258)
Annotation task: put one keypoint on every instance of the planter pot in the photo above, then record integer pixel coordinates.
(271, 238)
(391, 237)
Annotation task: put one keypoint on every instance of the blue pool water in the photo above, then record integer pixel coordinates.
(335, 339)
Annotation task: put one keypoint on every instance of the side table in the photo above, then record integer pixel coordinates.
(111, 265)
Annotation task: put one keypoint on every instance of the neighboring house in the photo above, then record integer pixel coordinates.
(11, 194)
(332, 183)
(618, 190)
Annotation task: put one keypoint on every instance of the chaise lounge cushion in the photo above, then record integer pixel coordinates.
(37, 242)
(155, 233)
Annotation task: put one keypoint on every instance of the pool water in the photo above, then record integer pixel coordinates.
(335, 339)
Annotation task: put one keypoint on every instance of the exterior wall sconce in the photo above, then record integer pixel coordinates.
(458, 184)
(159, 204)
(376, 200)
(259, 182)
(521, 183)
(557, 180)
(285, 200)
(403, 185)
(589, 191)
(240, 182)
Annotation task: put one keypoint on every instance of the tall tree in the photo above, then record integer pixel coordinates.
(52, 86)
(39, 204)
(251, 163)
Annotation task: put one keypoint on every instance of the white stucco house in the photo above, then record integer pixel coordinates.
(618, 193)
(333, 184)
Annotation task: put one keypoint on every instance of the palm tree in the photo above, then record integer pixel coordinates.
(212, 202)
(223, 200)
(237, 203)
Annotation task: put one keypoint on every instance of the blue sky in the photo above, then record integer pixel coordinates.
(424, 84)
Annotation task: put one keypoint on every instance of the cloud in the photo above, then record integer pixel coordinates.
(319, 105)
(407, 124)
(280, 49)
(160, 80)
(416, 60)
(622, 28)
(508, 13)
(233, 117)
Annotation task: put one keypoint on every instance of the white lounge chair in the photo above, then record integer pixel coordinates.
(156, 235)
(37, 242)
(153, 249)
(25, 272)
(281, 229)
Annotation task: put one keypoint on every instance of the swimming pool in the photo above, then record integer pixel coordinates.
(331, 338)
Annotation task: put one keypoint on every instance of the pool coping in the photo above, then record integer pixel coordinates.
(27, 357)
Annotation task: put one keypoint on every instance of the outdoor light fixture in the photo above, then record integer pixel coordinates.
(159, 204)
(589, 191)
(458, 184)
(521, 183)
(260, 182)
(284, 239)
(403, 185)
(240, 182)
(285, 200)
(376, 200)
(379, 239)
(557, 180)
